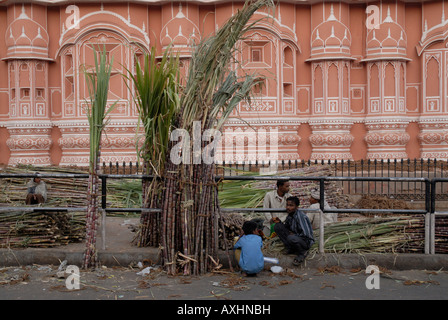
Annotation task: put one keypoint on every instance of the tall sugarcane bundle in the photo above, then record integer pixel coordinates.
(156, 96)
(189, 201)
(97, 80)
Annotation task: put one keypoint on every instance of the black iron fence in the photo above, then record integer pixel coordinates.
(428, 210)
(383, 168)
(423, 180)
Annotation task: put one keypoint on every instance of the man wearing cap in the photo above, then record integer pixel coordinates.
(36, 191)
(314, 215)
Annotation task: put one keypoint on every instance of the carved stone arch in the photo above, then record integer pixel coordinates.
(333, 75)
(116, 23)
(288, 55)
(390, 78)
(318, 81)
(273, 26)
(118, 143)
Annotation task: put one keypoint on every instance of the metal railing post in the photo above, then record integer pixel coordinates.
(103, 229)
(432, 222)
(321, 216)
(429, 198)
(103, 192)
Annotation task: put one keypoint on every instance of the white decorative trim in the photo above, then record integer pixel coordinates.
(84, 123)
(102, 12)
(263, 121)
(28, 124)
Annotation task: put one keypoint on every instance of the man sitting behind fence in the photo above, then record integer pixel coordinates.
(314, 215)
(275, 199)
(36, 191)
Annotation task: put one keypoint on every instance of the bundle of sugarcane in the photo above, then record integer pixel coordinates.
(240, 193)
(214, 88)
(155, 84)
(229, 229)
(124, 193)
(250, 194)
(381, 202)
(40, 229)
(62, 192)
(302, 189)
(188, 225)
(68, 192)
(97, 110)
(441, 234)
(369, 235)
(385, 234)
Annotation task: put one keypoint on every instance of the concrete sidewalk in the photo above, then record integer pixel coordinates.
(120, 252)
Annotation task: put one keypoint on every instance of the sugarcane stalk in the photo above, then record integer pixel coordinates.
(98, 87)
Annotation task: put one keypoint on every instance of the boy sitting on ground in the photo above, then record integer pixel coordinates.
(296, 232)
(251, 260)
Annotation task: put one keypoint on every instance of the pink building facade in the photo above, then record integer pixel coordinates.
(342, 80)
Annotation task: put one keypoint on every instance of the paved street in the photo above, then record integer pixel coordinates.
(43, 283)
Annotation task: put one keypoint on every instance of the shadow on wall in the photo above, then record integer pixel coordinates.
(4, 150)
(358, 148)
(304, 149)
(55, 150)
(413, 147)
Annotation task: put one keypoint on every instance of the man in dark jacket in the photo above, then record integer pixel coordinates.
(296, 231)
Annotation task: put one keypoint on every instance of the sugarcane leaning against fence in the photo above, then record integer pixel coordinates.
(97, 80)
(187, 229)
(155, 86)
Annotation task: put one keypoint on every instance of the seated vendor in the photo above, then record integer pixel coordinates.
(36, 191)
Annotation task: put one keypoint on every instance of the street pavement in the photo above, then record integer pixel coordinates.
(43, 282)
(32, 274)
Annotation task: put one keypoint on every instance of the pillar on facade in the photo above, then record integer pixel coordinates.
(29, 124)
(271, 48)
(330, 63)
(386, 59)
(432, 48)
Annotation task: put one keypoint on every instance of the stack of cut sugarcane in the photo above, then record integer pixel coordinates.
(370, 235)
(40, 229)
(61, 191)
(250, 194)
(241, 193)
(441, 234)
(68, 192)
(381, 202)
(302, 189)
(386, 234)
(229, 229)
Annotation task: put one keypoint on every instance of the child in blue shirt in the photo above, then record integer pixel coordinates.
(251, 259)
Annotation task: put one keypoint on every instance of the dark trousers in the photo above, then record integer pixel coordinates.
(294, 243)
(34, 199)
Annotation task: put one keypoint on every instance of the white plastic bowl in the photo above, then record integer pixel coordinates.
(276, 269)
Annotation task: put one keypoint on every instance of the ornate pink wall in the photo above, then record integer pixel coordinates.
(335, 86)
